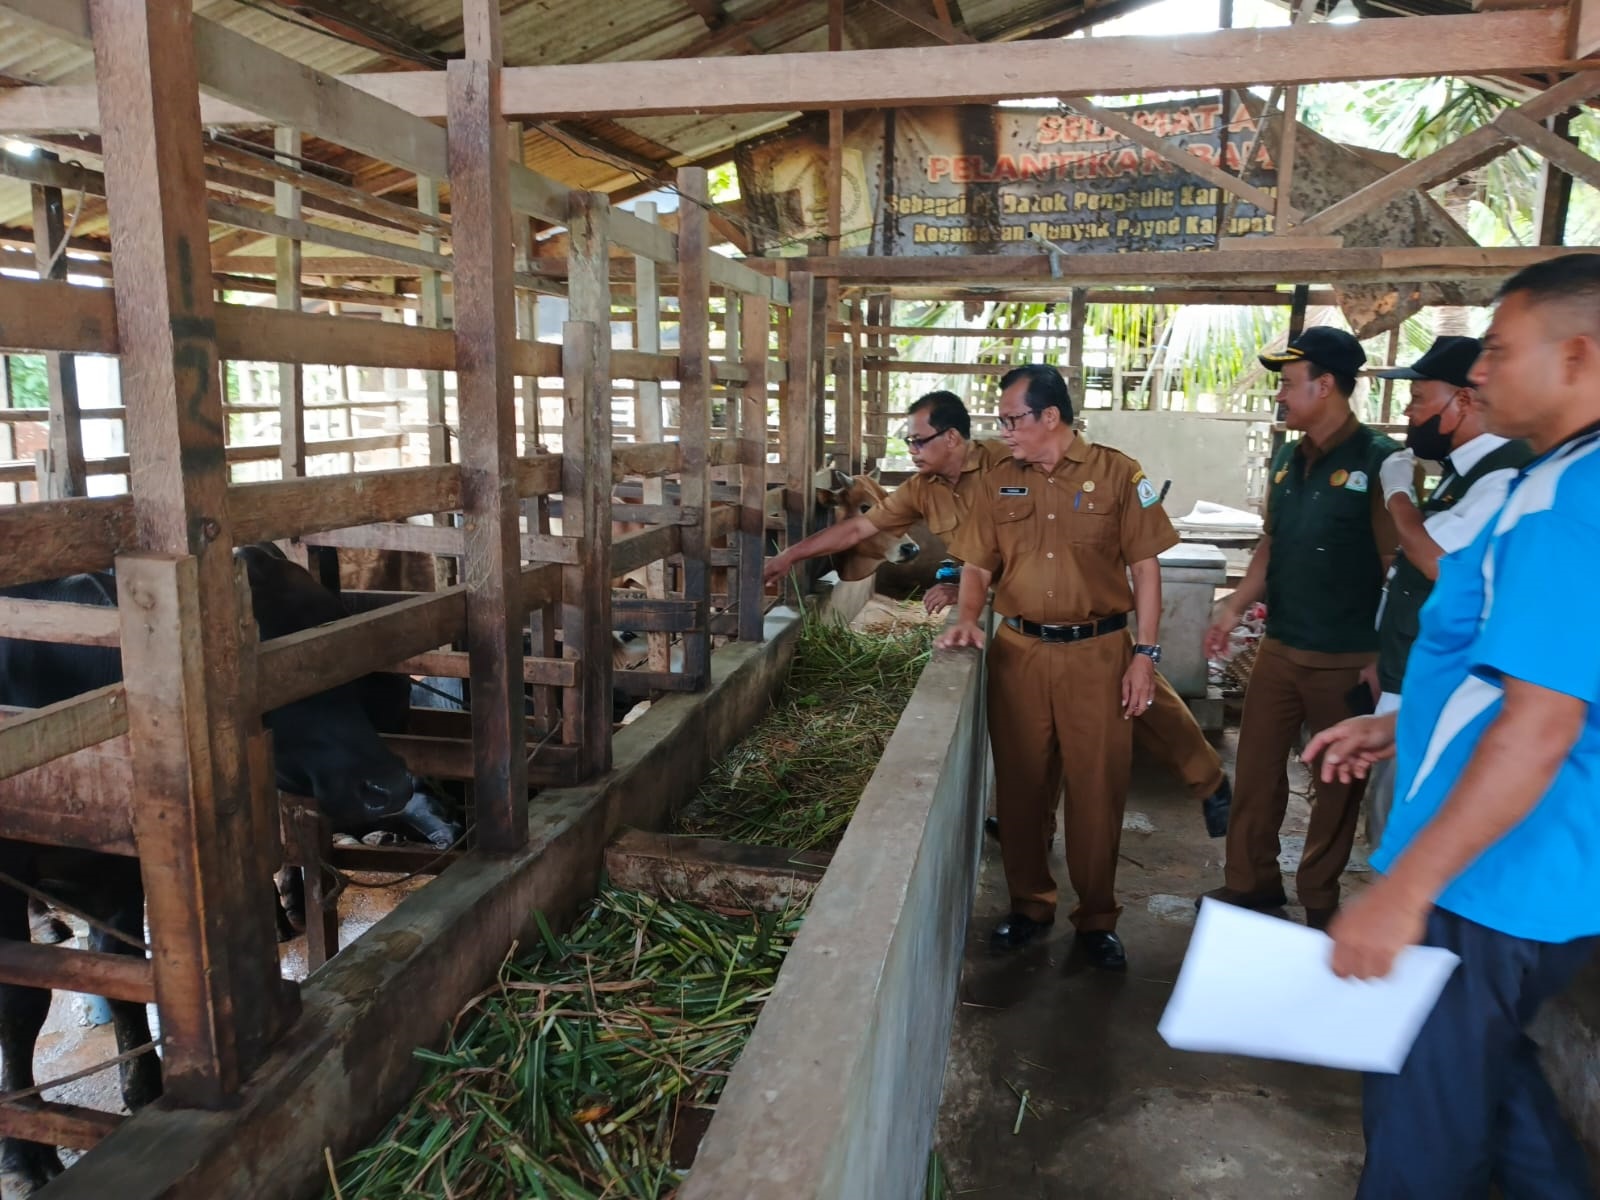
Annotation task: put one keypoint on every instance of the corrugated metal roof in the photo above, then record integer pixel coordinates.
(537, 32)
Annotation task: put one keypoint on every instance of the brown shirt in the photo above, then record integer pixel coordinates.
(930, 498)
(1065, 538)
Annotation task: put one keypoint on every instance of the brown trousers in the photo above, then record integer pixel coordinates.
(1168, 733)
(1055, 717)
(1281, 697)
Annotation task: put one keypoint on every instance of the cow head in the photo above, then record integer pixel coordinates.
(324, 746)
(846, 496)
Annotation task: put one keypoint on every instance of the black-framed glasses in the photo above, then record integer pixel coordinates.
(917, 443)
(1009, 422)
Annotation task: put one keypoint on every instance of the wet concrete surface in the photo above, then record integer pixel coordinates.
(1112, 1111)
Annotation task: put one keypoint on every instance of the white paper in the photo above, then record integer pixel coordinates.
(1254, 984)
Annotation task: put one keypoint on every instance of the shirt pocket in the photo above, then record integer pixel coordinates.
(1097, 528)
(1014, 526)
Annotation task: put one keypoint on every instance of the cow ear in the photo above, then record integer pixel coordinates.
(825, 498)
(874, 474)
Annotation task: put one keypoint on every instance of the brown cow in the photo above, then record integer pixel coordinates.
(849, 496)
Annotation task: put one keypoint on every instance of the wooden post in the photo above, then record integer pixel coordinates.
(485, 330)
(291, 378)
(216, 960)
(1281, 220)
(586, 481)
(1077, 318)
(1297, 323)
(756, 318)
(694, 409)
(796, 409)
(1388, 384)
(647, 422)
(64, 476)
(1555, 189)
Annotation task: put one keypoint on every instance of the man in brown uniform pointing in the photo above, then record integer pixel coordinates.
(1064, 522)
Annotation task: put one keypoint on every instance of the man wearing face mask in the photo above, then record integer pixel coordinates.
(1446, 427)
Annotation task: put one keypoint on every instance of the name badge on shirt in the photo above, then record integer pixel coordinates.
(1357, 482)
(1013, 491)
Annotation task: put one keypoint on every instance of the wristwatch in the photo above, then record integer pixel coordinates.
(1153, 653)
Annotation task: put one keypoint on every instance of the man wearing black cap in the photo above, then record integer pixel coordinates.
(1320, 566)
(1447, 426)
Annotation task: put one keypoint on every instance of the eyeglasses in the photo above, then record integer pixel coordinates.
(917, 443)
(1009, 423)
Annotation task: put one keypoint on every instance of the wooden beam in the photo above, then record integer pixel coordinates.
(61, 537)
(1483, 43)
(1487, 43)
(1555, 190)
(647, 418)
(1473, 150)
(268, 225)
(314, 660)
(485, 334)
(54, 621)
(1551, 147)
(1584, 28)
(216, 962)
(1284, 214)
(278, 509)
(586, 485)
(287, 292)
(114, 976)
(756, 333)
(941, 28)
(57, 1124)
(42, 734)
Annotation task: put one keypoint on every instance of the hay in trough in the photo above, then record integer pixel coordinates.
(794, 780)
(592, 1066)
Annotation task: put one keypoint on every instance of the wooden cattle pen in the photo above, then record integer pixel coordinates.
(777, 364)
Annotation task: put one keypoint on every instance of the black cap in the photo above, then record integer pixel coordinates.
(1448, 359)
(1331, 349)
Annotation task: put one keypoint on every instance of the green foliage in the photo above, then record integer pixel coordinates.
(30, 386)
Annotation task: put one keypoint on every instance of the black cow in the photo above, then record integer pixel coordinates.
(325, 746)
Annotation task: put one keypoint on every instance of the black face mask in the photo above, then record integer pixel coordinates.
(1428, 440)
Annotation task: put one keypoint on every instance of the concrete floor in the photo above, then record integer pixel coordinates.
(1112, 1112)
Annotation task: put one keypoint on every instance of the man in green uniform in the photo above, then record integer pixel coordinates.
(1320, 566)
(1446, 426)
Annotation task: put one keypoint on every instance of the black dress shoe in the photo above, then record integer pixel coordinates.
(1015, 931)
(1215, 807)
(1104, 949)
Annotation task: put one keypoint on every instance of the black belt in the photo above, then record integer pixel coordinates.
(1068, 633)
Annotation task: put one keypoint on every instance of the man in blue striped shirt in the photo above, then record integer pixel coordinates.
(1493, 845)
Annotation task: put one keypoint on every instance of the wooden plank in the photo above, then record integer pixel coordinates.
(33, 738)
(642, 683)
(756, 317)
(61, 537)
(644, 239)
(485, 333)
(269, 335)
(1584, 26)
(795, 400)
(649, 458)
(114, 976)
(81, 800)
(658, 616)
(452, 664)
(413, 539)
(1175, 154)
(270, 225)
(656, 514)
(1555, 191)
(694, 401)
(57, 1124)
(634, 364)
(637, 549)
(324, 656)
(1284, 214)
(538, 476)
(707, 871)
(1483, 43)
(1550, 147)
(52, 621)
(533, 195)
(586, 485)
(1292, 241)
(272, 511)
(39, 316)
(927, 22)
(725, 272)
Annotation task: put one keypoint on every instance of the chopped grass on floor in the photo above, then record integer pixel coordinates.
(593, 1065)
(795, 779)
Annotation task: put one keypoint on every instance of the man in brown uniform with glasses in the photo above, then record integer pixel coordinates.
(1064, 522)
